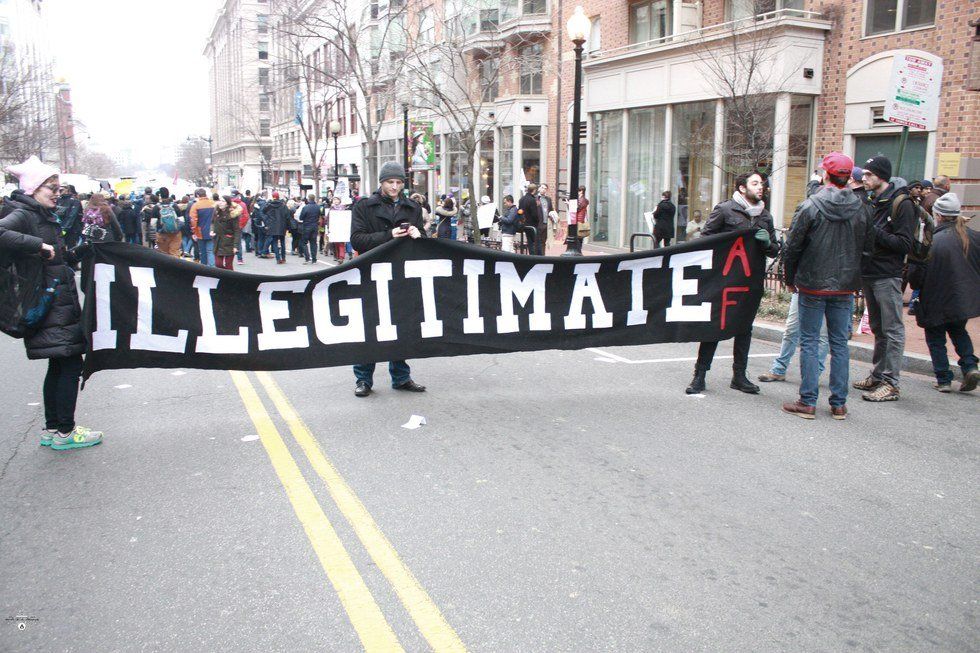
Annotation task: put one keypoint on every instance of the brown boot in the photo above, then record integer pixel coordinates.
(769, 377)
(800, 410)
(838, 412)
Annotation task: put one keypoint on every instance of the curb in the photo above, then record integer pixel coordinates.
(913, 363)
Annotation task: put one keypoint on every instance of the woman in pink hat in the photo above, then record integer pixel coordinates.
(30, 235)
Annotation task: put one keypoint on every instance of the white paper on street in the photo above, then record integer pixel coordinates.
(484, 214)
(339, 226)
(414, 422)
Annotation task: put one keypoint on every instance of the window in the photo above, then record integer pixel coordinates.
(374, 10)
(263, 76)
(262, 23)
(885, 16)
(531, 154)
(741, 9)
(488, 79)
(649, 20)
(353, 114)
(913, 162)
(644, 166)
(692, 157)
(531, 65)
(264, 127)
(594, 43)
(604, 191)
(534, 7)
(507, 161)
(263, 49)
(263, 102)
(427, 27)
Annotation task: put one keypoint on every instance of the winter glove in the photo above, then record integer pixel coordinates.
(763, 237)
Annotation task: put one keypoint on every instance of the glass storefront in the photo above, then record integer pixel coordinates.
(750, 127)
(507, 162)
(692, 157)
(644, 166)
(459, 174)
(531, 155)
(798, 154)
(913, 161)
(485, 186)
(606, 198)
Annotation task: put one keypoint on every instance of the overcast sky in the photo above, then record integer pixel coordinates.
(136, 70)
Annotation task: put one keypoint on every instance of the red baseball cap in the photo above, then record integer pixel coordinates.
(837, 164)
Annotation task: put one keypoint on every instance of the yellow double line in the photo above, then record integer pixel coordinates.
(365, 615)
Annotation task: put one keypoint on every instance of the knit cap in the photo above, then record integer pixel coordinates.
(32, 173)
(947, 205)
(391, 170)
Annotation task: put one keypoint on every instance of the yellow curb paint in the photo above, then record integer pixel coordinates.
(430, 621)
(365, 615)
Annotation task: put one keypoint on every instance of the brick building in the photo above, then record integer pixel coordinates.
(657, 104)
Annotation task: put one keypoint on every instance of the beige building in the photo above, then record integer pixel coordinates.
(238, 50)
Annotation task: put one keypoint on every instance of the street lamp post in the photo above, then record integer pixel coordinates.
(405, 135)
(579, 27)
(335, 131)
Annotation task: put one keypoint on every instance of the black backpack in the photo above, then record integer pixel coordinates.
(25, 299)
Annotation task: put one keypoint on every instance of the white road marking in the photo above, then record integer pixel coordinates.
(122, 386)
(250, 438)
(178, 373)
(34, 403)
(620, 359)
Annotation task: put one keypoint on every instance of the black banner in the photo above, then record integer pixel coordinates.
(412, 299)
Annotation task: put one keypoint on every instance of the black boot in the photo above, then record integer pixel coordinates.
(697, 383)
(741, 382)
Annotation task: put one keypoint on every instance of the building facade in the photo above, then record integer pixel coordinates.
(237, 51)
(28, 123)
(664, 108)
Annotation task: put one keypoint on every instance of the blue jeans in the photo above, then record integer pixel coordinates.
(815, 310)
(791, 340)
(187, 245)
(399, 370)
(279, 247)
(936, 341)
(133, 239)
(246, 245)
(206, 248)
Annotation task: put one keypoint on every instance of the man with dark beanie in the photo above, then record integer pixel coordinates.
(385, 215)
(895, 217)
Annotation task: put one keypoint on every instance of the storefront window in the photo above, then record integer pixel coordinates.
(607, 157)
(798, 154)
(507, 161)
(459, 174)
(644, 166)
(531, 155)
(692, 156)
(750, 129)
(485, 186)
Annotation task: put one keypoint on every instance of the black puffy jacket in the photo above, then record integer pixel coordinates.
(831, 232)
(732, 216)
(22, 233)
(663, 217)
(374, 217)
(949, 282)
(893, 237)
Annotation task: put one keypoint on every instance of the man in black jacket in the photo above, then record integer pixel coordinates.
(663, 220)
(385, 215)
(309, 217)
(277, 218)
(895, 220)
(745, 210)
(831, 232)
(530, 215)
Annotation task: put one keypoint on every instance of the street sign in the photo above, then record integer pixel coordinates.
(913, 98)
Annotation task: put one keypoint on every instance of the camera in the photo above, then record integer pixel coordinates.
(94, 234)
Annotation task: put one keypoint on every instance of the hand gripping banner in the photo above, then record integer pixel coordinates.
(412, 299)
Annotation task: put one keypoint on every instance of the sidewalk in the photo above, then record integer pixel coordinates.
(916, 360)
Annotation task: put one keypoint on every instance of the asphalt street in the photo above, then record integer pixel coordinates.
(553, 501)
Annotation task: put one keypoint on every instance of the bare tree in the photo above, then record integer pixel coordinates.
(95, 164)
(457, 75)
(748, 71)
(363, 49)
(192, 161)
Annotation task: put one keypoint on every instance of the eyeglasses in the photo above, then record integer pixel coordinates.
(54, 188)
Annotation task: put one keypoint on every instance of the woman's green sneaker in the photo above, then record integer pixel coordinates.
(46, 436)
(79, 438)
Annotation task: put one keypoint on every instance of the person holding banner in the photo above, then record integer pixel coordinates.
(30, 236)
(385, 215)
(745, 210)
